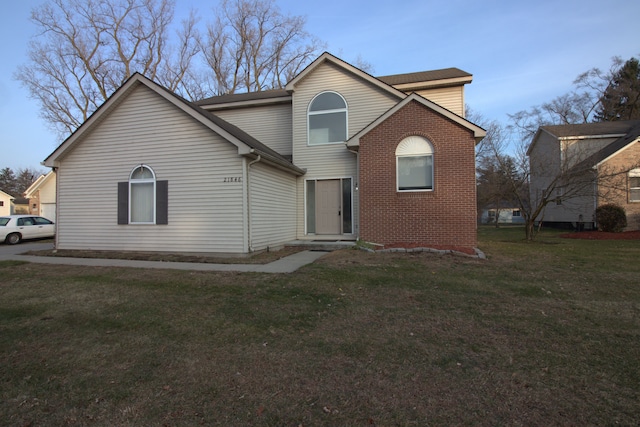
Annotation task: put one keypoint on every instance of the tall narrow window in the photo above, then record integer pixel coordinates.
(634, 185)
(414, 164)
(327, 119)
(142, 190)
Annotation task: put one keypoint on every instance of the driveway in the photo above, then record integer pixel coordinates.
(41, 245)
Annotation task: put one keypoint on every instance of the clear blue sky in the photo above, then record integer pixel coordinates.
(521, 53)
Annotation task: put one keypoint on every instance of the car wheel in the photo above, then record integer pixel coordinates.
(14, 238)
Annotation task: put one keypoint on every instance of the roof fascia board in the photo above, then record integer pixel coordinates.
(9, 196)
(478, 132)
(612, 155)
(38, 183)
(583, 137)
(275, 162)
(433, 84)
(327, 57)
(246, 104)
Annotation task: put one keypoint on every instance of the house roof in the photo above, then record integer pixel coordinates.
(246, 144)
(397, 84)
(632, 135)
(326, 57)
(590, 129)
(9, 196)
(428, 79)
(584, 130)
(38, 183)
(478, 132)
(250, 98)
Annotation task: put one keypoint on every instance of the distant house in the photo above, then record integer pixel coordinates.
(42, 196)
(336, 155)
(603, 158)
(510, 215)
(6, 203)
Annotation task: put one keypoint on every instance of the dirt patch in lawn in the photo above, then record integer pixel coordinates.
(258, 258)
(602, 235)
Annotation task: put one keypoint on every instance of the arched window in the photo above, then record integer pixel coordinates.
(142, 192)
(414, 164)
(634, 185)
(327, 119)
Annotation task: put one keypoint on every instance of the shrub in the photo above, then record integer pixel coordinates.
(611, 218)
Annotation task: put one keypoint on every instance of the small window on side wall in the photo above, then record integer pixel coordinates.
(634, 185)
(414, 164)
(143, 199)
(327, 119)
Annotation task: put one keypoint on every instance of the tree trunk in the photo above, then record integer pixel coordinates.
(530, 230)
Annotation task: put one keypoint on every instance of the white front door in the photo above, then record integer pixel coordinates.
(328, 214)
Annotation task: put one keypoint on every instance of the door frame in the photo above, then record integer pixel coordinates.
(306, 213)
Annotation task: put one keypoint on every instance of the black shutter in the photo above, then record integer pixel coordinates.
(123, 203)
(162, 202)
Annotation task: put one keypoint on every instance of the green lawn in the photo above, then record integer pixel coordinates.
(538, 334)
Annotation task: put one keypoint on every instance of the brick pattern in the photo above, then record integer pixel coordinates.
(616, 190)
(445, 216)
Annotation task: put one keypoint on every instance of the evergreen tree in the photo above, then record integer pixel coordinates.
(621, 98)
(8, 181)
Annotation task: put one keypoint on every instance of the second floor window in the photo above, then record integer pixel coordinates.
(327, 119)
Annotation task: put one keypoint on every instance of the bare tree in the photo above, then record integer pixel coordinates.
(580, 105)
(86, 49)
(251, 46)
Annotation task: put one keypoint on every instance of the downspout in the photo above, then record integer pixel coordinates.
(356, 193)
(249, 199)
(595, 197)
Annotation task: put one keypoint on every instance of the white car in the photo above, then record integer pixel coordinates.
(15, 228)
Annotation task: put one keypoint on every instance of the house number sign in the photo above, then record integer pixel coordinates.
(233, 179)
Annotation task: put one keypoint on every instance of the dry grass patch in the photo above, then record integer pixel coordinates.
(542, 334)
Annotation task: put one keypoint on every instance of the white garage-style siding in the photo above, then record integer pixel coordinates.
(365, 103)
(272, 200)
(205, 213)
(269, 124)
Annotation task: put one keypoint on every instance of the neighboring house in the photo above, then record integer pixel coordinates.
(585, 166)
(42, 196)
(6, 204)
(336, 155)
(505, 216)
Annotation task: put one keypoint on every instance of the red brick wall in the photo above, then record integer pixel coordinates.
(445, 216)
(616, 189)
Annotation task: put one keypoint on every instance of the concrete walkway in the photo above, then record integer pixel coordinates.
(288, 264)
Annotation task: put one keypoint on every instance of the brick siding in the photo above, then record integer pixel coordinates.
(616, 190)
(445, 216)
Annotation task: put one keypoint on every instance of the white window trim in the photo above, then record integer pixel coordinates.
(412, 146)
(143, 181)
(317, 113)
(633, 173)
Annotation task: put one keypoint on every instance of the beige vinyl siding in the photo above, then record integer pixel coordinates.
(270, 124)
(451, 98)
(205, 213)
(364, 103)
(272, 202)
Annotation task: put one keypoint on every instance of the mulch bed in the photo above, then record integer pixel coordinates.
(602, 235)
